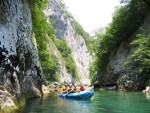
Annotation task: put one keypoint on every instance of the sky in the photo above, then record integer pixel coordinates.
(92, 14)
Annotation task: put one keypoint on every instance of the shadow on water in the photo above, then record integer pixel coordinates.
(102, 102)
(55, 104)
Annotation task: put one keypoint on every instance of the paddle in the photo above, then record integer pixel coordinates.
(55, 90)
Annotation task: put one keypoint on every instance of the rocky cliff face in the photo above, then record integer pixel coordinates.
(126, 77)
(20, 72)
(65, 29)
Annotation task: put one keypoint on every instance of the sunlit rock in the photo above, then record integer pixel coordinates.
(66, 29)
(20, 71)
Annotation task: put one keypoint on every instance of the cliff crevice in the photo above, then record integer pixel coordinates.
(20, 71)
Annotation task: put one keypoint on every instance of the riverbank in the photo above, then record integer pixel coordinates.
(16, 105)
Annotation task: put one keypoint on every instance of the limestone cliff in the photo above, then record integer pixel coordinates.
(20, 71)
(127, 76)
(65, 29)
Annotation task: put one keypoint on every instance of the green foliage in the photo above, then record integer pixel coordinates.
(43, 31)
(71, 66)
(62, 47)
(94, 67)
(67, 56)
(127, 20)
(148, 83)
(93, 70)
(79, 30)
(91, 43)
(68, 14)
(140, 59)
(39, 4)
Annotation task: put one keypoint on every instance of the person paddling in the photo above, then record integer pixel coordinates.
(55, 86)
(64, 89)
(71, 89)
(81, 88)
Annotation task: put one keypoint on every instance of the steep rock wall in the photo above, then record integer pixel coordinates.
(65, 29)
(125, 77)
(20, 71)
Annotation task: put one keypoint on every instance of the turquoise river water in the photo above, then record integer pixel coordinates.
(102, 102)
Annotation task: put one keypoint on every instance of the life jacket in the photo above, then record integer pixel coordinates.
(81, 88)
(63, 88)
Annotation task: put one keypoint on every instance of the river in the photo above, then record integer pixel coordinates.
(102, 102)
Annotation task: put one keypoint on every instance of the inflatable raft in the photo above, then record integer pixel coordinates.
(79, 95)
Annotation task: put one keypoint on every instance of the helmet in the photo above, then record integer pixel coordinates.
(70, 85)
(55, 83)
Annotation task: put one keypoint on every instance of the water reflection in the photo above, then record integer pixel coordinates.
(58, 105)
(75, 106)
(147, 96)
(103, 102)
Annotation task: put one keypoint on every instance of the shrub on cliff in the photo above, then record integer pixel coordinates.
(43, 31)
(65, 51)
(127, 19)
